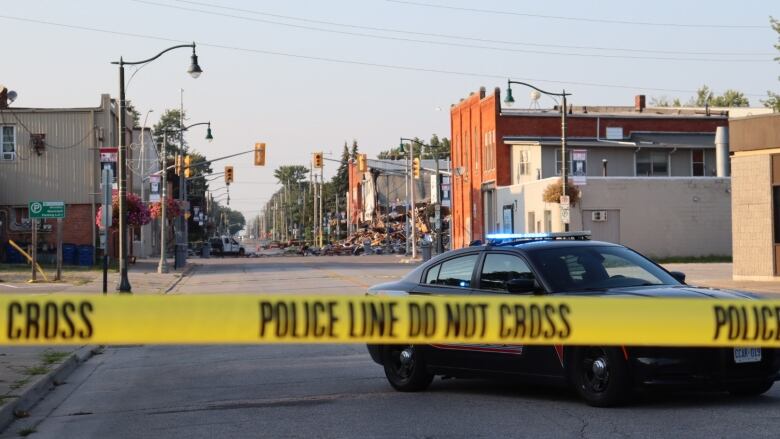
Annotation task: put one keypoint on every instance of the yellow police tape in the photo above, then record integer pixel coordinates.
(79, 319)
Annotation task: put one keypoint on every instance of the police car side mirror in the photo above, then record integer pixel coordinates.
(520, 286)
(678, 276)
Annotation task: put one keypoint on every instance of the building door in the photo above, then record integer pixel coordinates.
(489, 211)
(603, 224)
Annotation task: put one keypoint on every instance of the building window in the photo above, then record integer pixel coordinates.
(697, 162)
(523, 167)
(489, 150)
(559, 164)
(8, 140)
(652, 163)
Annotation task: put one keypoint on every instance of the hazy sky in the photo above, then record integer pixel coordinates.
(270, 70)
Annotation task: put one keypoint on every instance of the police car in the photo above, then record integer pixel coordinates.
(567, 264)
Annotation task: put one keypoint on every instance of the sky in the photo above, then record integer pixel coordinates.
(305, 76)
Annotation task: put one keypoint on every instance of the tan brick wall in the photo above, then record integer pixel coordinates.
(751, 211)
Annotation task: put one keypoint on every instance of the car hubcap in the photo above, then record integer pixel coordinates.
(595, 371)
(406, 356)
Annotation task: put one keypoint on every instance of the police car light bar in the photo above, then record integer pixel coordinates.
(531, 236)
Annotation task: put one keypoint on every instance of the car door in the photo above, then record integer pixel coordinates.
(453, 276)
(494, 271)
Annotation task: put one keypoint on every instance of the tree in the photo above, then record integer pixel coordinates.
(730, 98)
(290, 174)
(171, 120)
(773, 99)
(133, 113)
(341, 179)
(353, 155)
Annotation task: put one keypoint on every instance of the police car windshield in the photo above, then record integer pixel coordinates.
(597, 268)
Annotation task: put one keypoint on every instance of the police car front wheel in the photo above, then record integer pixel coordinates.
(405, 368)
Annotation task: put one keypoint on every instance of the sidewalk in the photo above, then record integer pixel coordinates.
(27, 373)
(143, 277)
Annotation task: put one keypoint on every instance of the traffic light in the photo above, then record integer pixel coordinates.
(177, 165)
(317, 159)
(228, 174)
(259, 154)
(416, 167)
(187, 171)
(362, 165)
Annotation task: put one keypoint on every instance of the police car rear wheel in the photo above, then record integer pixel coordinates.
(405, 369)
(600, 375)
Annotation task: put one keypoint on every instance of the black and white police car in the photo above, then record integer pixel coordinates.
(567, 264)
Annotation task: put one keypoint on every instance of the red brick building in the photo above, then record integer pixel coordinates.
(483, 134)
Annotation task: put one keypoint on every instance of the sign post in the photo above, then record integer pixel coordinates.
(58, 276)
(45, 210)
(108, 214)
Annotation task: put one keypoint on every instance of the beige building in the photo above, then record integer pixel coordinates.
(658, 193)
(53, 154)
(755, 164)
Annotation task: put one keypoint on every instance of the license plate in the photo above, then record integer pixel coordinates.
(747, 355)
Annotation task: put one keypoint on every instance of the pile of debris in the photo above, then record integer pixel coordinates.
(386, 234)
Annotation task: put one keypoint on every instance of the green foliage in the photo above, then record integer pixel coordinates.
(171, 120)
(730, 98)
(341, 179)
(435, 148)
(134, 114)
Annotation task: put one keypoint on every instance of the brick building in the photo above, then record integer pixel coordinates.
(504, 156)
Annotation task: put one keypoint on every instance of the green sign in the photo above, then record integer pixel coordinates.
(47, 209)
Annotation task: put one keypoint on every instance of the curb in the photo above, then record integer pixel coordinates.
(186, 272)
(33, 392)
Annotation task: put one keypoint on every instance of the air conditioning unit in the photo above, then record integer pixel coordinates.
(8, 156)
(598, 216)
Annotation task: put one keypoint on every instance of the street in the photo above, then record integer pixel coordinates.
(336, 390)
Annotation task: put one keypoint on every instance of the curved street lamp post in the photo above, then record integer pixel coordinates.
(509, 100)
(162, 266)
(194, 70)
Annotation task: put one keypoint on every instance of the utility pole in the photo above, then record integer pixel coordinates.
(414, 211)
(406, 198)
(162, 267)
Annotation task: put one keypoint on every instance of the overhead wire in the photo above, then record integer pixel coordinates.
(395, 67)
(582, 19)
(451, 44)
(467, 38)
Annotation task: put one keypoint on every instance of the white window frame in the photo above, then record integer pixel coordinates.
(650, 152)
(2, 143)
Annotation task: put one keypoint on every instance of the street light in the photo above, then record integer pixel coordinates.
(162, 266)
(509, 100)
(194, 70)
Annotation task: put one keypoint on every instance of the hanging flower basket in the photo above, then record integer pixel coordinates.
(137, 211)
(173, 208)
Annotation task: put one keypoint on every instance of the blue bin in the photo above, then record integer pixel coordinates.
(69, 254)
(12, 255)
(86, 255)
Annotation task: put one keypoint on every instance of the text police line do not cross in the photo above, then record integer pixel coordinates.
(208, 319)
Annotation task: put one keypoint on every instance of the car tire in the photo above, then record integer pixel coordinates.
(405, 368)
(241, 252)
(600, 375)
(752, 389)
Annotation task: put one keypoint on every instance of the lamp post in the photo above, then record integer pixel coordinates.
(194, 70)
(162, 266)
(509, 100)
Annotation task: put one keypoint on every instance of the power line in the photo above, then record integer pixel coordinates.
(450, 44)
(588, 20)
(394, 67)
(465, 38)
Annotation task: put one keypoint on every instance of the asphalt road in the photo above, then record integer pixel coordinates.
(336, 391)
